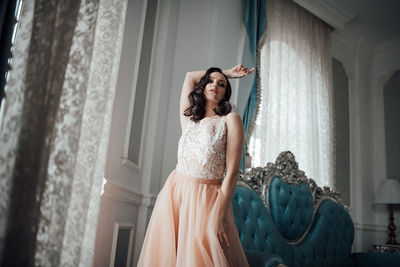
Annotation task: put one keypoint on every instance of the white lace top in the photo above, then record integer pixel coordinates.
(202, 148)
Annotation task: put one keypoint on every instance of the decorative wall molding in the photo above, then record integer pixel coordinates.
(370, 227)
(386, 50)
(349, 48)
(125, 161)
(356, 53)
(365, 49)
(346, 39)
(117, 226)
(385, 62)
(123, 194)
(341, 50)
(336, 13)
(384, 78)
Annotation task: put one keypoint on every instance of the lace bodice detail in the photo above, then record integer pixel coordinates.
(202, 148)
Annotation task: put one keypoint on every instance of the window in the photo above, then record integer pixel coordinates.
(342, 130)
(295, 107)
(10, 11)
(141, 86)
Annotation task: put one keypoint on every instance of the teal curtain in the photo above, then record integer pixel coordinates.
(255, 21)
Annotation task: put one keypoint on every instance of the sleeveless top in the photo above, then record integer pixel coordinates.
(202, 148)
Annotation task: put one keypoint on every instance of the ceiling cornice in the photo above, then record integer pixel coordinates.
(336, 13)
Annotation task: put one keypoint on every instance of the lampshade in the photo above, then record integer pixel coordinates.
(388, 192)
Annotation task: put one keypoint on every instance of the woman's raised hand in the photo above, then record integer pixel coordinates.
(238, 71)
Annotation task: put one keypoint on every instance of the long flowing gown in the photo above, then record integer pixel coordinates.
(183, 226)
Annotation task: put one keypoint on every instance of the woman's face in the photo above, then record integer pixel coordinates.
(215, 88)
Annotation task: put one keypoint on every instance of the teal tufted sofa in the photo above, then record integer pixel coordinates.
(285, 218)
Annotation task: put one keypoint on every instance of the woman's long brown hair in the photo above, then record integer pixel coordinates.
(197, 108)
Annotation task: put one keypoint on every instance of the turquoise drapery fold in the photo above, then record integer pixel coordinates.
(255, 21)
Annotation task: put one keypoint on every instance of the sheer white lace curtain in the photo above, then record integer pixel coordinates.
(295, 112)
(55, 130)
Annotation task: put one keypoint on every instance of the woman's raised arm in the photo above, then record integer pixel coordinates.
(194, 77)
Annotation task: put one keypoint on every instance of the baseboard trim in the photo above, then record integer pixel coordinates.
(370, 227)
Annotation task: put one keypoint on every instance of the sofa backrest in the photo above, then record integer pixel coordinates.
(291, 207)
(280, 211)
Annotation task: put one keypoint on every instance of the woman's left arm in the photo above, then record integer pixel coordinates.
(234, 147)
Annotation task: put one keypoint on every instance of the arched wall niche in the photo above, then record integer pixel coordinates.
(391, 105)
(341, 84)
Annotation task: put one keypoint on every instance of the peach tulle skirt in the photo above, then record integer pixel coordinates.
(183, 226)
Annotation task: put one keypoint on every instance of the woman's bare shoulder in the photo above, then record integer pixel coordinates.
(233, 117)
(234, 121)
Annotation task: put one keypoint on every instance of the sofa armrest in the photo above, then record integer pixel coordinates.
(366, 259)
(262, 259)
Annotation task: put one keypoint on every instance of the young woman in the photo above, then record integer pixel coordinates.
(192, 221)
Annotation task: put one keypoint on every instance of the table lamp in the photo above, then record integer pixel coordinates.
(389, 193)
